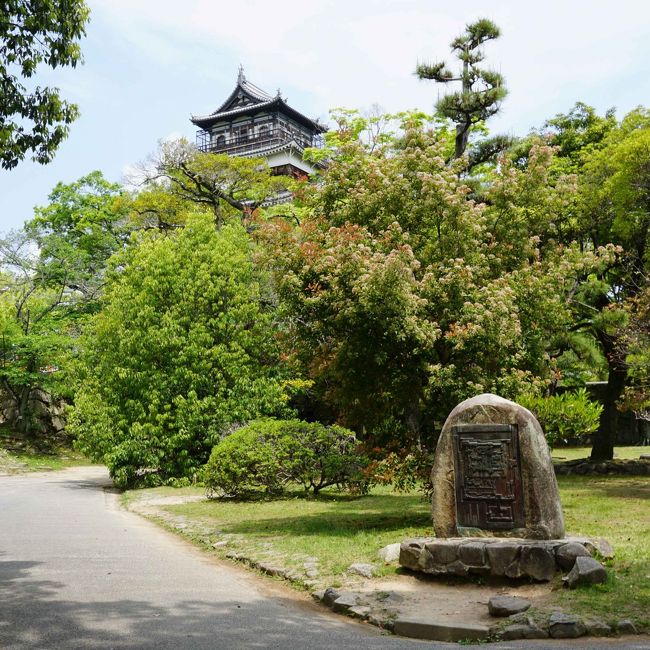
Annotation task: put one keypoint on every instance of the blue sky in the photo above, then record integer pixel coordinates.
(150, 64)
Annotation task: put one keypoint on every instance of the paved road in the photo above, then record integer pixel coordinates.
(76, 571)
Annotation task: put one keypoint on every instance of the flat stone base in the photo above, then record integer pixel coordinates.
(440, 630)
(489, 556)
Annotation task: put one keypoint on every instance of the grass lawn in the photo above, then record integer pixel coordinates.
(574, 453)
(339, 530)
(618, 509)
(336, 529)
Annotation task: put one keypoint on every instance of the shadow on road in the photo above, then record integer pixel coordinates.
(98, 482)
(32, 616)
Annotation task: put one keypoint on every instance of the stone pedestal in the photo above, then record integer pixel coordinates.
(489, 556)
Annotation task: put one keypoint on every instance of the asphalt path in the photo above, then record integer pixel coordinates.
(77, 571)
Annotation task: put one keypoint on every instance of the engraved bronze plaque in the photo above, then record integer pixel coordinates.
(488, 476)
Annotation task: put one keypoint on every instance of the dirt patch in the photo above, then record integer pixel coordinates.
(448, 601)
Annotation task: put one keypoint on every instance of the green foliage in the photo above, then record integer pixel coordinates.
(635, 343)
(182, 347)
(35, 33)
(614, 207)
(578, 133)
(405, 472)
(36, 319)
(581, 360)
(52, 274)
(81, 227)
(270, 454)
(402, 295)
(568, 417)
(224, 184)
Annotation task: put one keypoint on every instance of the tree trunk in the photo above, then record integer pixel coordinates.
(462, 137)
(462, 128)
(603, 441)
(217, 215)
(23, 418)
(413, 422)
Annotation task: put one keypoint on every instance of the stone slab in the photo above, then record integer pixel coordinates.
(440, 630)
(389, 553)
(586, 571)
(507, 605)
(565, 626)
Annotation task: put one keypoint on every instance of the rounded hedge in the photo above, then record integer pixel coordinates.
(269, 454)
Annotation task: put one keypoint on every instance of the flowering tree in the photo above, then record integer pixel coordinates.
(403, 295)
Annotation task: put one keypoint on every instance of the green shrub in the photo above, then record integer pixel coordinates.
(567, 417)
(183, 346)
(269, 454)
(406, 471)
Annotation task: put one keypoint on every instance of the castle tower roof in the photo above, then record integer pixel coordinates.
(248, 99)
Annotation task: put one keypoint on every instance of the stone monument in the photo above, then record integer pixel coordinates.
(496, 504)
(493, 474)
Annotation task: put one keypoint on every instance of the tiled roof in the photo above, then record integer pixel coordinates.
(260, 100)
(253, 90)
(234, 111)
(292, 144)
(263, 152)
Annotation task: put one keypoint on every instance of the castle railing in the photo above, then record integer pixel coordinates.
(241, 146)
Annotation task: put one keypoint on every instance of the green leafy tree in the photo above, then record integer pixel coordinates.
(182, 347)
(402, 295)
(608, 161)
(579, 132)
(52, 274)
(634, 343)
(615, 208)
(35, 33)
(84, 223)
(481, 90)
(33, 331)
(223, 184)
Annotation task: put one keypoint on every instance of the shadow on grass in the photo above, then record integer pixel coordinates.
(293, 495)
(619, 487)
(337, 518)
(334, 525)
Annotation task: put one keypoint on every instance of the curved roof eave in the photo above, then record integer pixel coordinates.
(205, 121)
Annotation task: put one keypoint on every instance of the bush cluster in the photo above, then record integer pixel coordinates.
(405, 471)
(569, 417)
(270, 454)
(183, 346)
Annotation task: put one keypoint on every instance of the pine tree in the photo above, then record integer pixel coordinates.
(482, 90)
